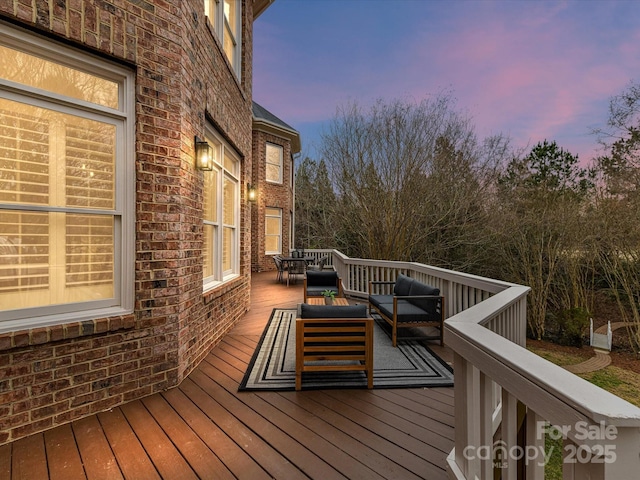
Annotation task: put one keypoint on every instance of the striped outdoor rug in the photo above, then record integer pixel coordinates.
(411, 364)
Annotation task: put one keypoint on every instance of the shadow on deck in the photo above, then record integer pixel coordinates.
(206, 429)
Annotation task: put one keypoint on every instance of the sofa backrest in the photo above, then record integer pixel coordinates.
(333, 311)
(322, 279)
(419, 288)
(402, 285)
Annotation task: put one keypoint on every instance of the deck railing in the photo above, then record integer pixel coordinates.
(507, 399)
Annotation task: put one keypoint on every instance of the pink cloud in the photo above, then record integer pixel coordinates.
(533, 71)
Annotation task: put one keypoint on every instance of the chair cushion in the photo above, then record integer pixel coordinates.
(403, 285)
(324, 279)
(333, 311)
(429, 305)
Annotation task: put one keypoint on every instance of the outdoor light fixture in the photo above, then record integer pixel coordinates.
(252, 194)
(204, 155)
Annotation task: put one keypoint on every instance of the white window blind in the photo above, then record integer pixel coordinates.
(274, 155)
(66, 214)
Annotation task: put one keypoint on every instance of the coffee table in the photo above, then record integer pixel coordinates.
(320, 301)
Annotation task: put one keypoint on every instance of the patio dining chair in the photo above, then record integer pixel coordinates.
(320, 265)
(295, 268)
(279, 268)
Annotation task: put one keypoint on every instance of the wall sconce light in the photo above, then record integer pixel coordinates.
(204, 155)
(252, 194)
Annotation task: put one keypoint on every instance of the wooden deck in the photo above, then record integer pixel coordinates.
(206, 429)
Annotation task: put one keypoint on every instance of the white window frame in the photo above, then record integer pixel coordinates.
(219, 274)
(278, 251)
(123, 117)
(214, 11)
(279, 165)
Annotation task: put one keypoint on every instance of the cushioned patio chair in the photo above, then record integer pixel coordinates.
(316, 282)
(334, 339)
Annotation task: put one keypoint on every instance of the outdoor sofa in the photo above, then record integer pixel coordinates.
(316, 282)
(411, 304)
(334, 339)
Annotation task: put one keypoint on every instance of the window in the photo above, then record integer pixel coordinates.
(221, 214)
(274, 163)
(66, 184)
(273, 231)
(225, 16)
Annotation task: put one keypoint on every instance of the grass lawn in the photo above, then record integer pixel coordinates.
(621, 382)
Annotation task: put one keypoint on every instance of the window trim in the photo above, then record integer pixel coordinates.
(122, 302)
(220, 276)
(220, 25)
(280, 163)
(279, 235)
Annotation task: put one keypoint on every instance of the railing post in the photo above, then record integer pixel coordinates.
(467, 421)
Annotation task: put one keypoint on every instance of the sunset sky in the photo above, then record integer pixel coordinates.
(532, 70)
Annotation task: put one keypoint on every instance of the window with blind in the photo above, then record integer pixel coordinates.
(273, 231)
(274, 163)
(225, 16)
(64, 233)
(221, 220)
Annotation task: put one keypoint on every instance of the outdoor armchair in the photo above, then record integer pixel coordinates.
(334, 339)
(316, 282)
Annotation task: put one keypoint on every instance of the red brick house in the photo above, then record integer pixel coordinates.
(122, 262)
(274, 145)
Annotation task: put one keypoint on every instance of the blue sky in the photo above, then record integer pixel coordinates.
(532, 70)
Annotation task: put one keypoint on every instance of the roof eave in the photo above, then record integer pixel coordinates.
(292, 135)
(259, 6)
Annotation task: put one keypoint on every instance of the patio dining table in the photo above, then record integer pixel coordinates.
(288, 262)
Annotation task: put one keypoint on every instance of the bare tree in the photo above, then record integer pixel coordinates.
(315, 206)
(407, 179)
(540, 230)
(618, 212)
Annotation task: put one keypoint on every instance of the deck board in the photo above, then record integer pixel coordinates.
(5, 462)
(63, 458)
(129, 452)
(199, 456)
(205, 428)
(29, 459)
(97, 457)
(229, 452)
(159, 447)
(350, 449)
(256, 447)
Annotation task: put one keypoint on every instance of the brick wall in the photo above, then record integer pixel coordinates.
(270, 195)
(53, 375)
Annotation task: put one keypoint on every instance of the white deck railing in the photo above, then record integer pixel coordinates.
(507, 398)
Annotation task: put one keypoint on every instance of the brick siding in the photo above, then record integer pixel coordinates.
(53, 375)
(270, 195)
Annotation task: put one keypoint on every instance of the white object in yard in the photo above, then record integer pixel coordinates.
(602, 341)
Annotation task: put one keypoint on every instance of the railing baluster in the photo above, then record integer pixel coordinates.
(487, 407)
(535, 442)
(509, 429)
